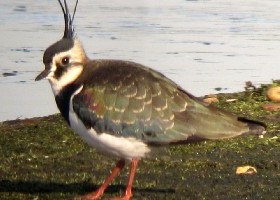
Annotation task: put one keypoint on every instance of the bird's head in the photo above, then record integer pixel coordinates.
(64, 59)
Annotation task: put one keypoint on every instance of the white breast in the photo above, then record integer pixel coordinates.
(122, 147)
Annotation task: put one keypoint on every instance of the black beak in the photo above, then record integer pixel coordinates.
(42, 75)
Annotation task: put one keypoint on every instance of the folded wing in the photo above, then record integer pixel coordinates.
(128, 100)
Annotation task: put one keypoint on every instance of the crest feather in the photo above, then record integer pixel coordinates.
(68, 19)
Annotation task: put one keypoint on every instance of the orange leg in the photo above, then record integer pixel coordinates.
(99, 192)
(119, 166)
(128, 191)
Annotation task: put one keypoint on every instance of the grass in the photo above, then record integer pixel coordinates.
(41, 158)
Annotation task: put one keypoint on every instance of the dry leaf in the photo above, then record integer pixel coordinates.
(246, 170)
(231, 100)
(212, 98)
(273, 93)
(271, 106)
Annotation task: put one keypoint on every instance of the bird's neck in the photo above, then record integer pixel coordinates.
(63, 99)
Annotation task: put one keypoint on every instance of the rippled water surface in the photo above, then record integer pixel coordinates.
(202, 45)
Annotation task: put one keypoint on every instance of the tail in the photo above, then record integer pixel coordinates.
(255, 127)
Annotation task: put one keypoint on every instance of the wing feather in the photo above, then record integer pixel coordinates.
(129, 100)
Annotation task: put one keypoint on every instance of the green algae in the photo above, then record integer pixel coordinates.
(42, 158)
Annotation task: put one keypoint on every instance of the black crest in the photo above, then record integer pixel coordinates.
(69, 26)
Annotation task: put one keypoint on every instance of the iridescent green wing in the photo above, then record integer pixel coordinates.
(129, 100)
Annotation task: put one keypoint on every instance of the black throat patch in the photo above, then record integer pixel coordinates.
(63, 100)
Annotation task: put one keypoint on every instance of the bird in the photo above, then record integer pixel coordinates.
(126, 110)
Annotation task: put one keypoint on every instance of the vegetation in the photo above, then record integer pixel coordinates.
(41, 158)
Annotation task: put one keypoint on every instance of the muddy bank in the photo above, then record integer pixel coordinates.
(41, 158)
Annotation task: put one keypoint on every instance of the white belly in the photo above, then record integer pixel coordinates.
(122, 147)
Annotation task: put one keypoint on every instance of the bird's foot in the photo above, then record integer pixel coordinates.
(95, 195)
(125, 197)
(92, 196)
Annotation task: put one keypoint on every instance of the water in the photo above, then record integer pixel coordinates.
(202, 45)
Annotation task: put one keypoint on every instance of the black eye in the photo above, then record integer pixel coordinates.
(65, 60)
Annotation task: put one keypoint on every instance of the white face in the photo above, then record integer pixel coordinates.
(66, 67)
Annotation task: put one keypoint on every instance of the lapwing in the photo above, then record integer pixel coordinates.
(127, 110)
